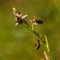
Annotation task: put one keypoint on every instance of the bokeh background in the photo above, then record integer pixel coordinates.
(16, 43)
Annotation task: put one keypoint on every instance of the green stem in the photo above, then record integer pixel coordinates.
(37, 34)
(47, 51)
(33, 27)
(44, 47)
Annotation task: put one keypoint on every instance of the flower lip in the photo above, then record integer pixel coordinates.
(36, 21)
(37, 43)
(19, 20)
(39, 21)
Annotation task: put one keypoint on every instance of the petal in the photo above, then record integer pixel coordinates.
(35, 23)
(24, 16)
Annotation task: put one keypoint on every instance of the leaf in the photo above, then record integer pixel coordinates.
(47, 45)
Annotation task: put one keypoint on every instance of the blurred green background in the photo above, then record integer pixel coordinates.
(16, 43)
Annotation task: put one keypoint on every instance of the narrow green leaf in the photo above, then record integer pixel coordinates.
(47, 45)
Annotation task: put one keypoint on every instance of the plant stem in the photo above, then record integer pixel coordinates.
(37, 34)
(45, 47)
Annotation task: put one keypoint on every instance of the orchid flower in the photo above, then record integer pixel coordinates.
(36, 21)
(33, 21)
(37, 43)
(19, 16)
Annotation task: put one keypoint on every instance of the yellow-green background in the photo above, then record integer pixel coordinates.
(16, 43)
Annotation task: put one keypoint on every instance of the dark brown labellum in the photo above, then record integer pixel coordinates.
(37, 45)
(19, 20)
(39, 21)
